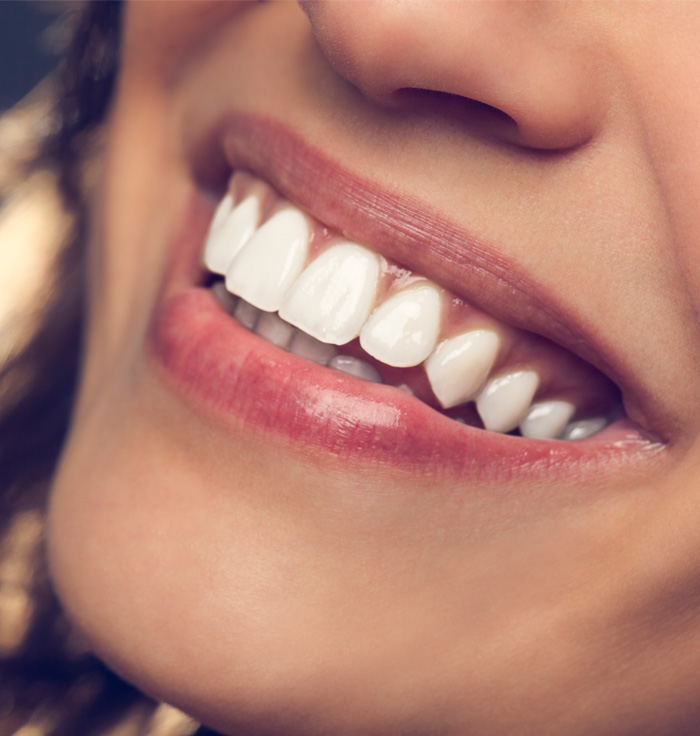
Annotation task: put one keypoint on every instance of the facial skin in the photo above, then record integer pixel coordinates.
(267, 584)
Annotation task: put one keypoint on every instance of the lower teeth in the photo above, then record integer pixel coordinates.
(584, 428)
(273, 329)
(355, 367)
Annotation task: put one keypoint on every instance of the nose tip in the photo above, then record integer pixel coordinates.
(515, 70)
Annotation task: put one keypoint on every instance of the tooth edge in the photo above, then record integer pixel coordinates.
(456, 372)
(518, 388)
(386, 319)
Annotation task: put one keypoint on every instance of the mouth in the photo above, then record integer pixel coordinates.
(306, 289)
(295, 325)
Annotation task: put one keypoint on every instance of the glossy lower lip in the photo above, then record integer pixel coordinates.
(219, 366)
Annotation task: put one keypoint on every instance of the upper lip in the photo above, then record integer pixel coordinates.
(415, 235)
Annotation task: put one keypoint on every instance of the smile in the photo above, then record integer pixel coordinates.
(390, 338)
(306, 289)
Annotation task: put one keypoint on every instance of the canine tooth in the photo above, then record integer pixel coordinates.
(334, 295)
(402, 331)
(271, 260)
(312, 349)
(246, 314)
(584, 428)
(274, 329)
(355, 367)
(458, 367)
(232, 230)
(546, 420)
(504, 401)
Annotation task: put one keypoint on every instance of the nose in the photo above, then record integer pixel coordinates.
(523, 72)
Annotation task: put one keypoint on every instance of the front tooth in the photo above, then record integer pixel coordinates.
(402, 331)
(312, 349)
(231, 229)
(355, 367)
(334, 295)
(458, 367)
(584, 428)
(504, 401)
(274, 329)
(271, 260)
(546, 420)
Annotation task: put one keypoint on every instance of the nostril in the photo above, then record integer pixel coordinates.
(499, 68)
(467, 113)
(485, 121)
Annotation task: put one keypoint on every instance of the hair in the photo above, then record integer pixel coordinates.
(48, 678)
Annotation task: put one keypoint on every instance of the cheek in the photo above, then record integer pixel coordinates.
(159, 38)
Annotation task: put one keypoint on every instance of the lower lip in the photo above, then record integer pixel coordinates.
(216, 365)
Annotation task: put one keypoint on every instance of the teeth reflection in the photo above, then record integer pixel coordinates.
(312, 349)
(355, 367)
(274, 330)
(584, 428)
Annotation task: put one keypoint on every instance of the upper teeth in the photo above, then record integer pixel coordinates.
(270, 262)
(343, 291)
(335, 294)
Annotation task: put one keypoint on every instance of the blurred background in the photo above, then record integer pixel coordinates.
(29, 36)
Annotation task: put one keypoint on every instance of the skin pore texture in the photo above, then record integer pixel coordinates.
(276, 548)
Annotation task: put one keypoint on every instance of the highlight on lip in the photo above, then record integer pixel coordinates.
(308, 290)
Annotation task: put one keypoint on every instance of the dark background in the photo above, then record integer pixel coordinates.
(25, 46)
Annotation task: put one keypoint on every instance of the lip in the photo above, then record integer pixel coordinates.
(219, 366)
(412, 233)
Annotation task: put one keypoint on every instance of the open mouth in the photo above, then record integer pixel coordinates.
(308, 290)
(323, 313)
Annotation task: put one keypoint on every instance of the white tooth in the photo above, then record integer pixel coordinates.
(404, 329)
(504, 401)
(583, 428)
(226, 300)
(231, 230)
(246, 314)
(458, 367)
(355, 367)
(312, 349)
(274, 330)
(334, 295)
(221, 212)
(271, 260)
(546, 420)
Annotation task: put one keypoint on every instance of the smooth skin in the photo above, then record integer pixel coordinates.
(268, 591)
